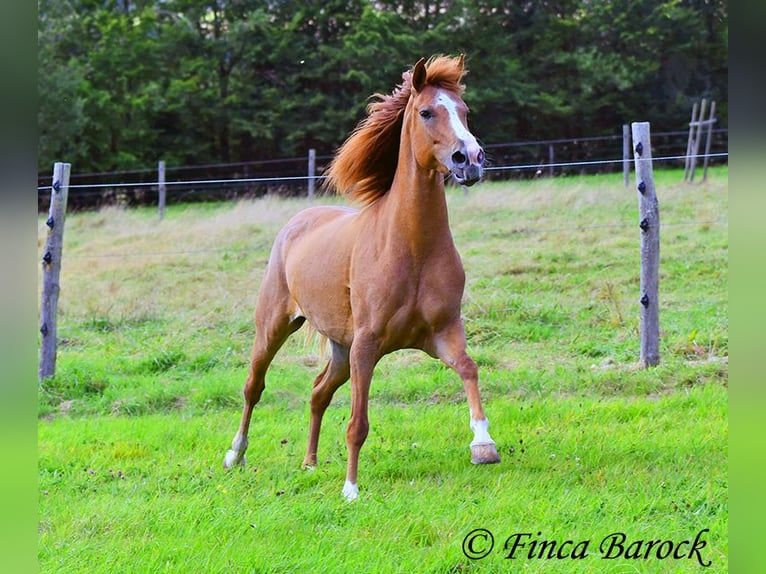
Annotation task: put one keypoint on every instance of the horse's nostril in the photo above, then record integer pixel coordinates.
(459, 158)
(480, 157)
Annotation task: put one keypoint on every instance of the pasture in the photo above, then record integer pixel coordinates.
(155, 322)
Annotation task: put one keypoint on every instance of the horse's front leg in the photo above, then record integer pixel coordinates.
(363, 359)
(449, 346)
(483, 449)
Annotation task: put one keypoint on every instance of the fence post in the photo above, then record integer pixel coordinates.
(551, 160)
(312, 171)
(711, 121)
(649, 223)
(162, 190)
(696, 150)
(690, 142)
(51, 263)
(626, 154)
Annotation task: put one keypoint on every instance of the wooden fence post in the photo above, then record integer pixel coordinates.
(626, 154)
(690, 143)
(162, 190)
(710, 123)
(696, 150)
(551, 160)
(312, 171)
(51, 263)
(649, 222)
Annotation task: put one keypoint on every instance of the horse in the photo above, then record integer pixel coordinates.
(384, 276)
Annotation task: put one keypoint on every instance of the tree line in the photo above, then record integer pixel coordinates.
(123, 83)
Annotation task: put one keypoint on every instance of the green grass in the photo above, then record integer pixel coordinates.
(155, 328)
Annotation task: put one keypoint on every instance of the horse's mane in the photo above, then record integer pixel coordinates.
(364, 166)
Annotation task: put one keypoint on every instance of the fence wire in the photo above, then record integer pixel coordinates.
(303, 178)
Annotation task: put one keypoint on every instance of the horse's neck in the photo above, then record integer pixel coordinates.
(418, 207)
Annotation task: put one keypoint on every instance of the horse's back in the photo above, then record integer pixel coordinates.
(320, 214)
(312, 226)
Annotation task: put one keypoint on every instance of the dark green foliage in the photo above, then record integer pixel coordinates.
(123, 84)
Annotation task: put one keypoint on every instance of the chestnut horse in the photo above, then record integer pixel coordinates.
(382, 278)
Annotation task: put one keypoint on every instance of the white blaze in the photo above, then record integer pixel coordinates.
(457, 126)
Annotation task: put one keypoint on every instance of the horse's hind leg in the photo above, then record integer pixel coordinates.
(335, 373)
(273, 326)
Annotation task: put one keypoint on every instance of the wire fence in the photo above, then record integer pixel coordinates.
(290, 177)
(519, 229)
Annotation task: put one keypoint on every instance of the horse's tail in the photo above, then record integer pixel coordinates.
(315, 340)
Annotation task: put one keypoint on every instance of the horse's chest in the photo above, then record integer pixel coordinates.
(416, 309)
(423, 294)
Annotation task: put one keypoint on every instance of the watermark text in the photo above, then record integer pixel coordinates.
(480, 543)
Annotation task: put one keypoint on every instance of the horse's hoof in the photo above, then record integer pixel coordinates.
(484, 454)
(233, 458)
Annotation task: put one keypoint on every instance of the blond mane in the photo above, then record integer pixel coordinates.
(364, 166)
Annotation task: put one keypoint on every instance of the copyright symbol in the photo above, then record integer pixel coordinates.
(478, 544)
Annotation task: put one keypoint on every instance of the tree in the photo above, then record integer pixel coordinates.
(126, 82)
(60, 112)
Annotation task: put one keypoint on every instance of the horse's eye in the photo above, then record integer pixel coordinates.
(426, 114)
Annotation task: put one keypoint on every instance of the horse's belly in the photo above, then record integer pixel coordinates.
(325, 304)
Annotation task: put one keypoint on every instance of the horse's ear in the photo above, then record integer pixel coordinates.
(419, 75)
(461, 62)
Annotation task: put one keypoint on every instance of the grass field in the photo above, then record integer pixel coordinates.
(155, 329)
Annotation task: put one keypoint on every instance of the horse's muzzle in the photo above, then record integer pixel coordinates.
(467, 172)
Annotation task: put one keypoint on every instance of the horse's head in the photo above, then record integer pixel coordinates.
(440, 136)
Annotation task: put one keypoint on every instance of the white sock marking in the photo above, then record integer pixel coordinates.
(236, 454)
(350, 491)
(233, 458)
(480, 432)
